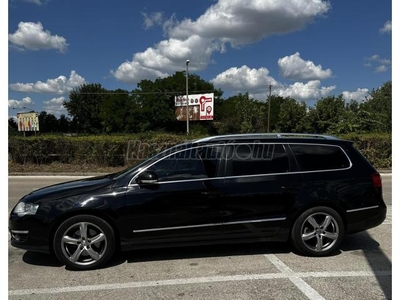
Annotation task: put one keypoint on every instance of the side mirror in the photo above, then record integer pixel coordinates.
(147, 177)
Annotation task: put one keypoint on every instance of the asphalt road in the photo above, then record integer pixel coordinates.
(362, 270)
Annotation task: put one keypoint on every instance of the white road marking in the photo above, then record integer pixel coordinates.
(198, 280)
(303, 286)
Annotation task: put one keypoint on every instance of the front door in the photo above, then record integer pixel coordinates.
(185, 203)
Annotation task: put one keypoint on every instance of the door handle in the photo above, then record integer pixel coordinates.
(211, 193)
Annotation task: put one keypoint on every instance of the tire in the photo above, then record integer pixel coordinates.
(84, 242)
(318, 231)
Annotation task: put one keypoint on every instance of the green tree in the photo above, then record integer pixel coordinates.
(326, 113)
(12, 127)
(275, 108)
(64, 124)
(115, 112)
(156, 100)
(251, 114)
(379, 104)
(48, 122)
(292, 115)
(84, 106)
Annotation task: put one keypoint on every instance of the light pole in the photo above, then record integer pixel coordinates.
(187, 97)
(269, 106)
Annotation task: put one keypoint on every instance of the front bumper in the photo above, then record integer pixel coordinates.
(28, 233)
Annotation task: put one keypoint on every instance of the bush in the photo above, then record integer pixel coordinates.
(101, 150)
(124, 150)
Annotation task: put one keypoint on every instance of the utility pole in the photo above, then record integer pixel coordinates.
(269, 105)
(187, 97)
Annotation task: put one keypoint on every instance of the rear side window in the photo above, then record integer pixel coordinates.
(256, 159)
(320, 157)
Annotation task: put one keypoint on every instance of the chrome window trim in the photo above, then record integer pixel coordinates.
(242, 176)
(195, 147)
(362, 208)
(209, 225)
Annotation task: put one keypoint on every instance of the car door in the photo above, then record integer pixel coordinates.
(184, 204)
(259, 191)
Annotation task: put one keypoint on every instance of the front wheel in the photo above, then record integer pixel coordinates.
(318, 231)
(84, 242)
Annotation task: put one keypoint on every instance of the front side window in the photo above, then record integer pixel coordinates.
(320, 157)
(194, 163)
(256, 159)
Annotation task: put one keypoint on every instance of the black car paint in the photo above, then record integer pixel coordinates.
(224, 207)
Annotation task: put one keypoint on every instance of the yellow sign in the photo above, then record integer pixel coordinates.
(28, 121)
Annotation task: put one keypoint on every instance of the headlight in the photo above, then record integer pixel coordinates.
(23, 209)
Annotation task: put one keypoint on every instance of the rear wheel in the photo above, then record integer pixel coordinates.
(84, 242)
(318, 231)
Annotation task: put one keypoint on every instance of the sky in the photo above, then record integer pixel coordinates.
(305, 49)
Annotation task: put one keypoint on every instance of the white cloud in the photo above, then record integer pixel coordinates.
(295, 68)
(378, 63)
(256, 81)
(32, 36)
(244, 79)
(228, 21)
(377, 58)
(381, 69)
(311, 90)
(153, 19)
(358, 95)
(244, 22)
(59, 85)
(38, 2)
(55, 106)
(387, 27)
(168, 55)
(25, 102)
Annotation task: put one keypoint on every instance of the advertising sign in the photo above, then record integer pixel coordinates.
(201, 107)
(28, 121)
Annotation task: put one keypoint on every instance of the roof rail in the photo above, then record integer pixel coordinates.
(265, 135)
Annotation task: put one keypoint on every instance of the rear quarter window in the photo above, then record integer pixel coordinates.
(320, 157)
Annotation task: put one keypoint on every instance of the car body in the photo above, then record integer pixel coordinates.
(307, 189)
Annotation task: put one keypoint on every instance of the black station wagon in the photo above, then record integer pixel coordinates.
(307, 189)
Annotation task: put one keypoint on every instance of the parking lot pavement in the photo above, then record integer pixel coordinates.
(362, 270)
(254, 271)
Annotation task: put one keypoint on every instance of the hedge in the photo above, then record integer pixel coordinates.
(124, 150)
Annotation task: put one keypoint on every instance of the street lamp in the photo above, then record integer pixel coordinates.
(187, 97)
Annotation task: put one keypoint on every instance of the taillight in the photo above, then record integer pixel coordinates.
(376, 180)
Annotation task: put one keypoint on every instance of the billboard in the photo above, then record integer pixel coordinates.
(201, 107)
(28, 121)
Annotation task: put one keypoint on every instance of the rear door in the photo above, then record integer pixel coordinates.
(260, 189)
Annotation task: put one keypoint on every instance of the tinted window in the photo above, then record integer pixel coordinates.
(189, 164)
(320, 157)
(253, 159)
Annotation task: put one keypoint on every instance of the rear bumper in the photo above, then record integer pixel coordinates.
(365, 218)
